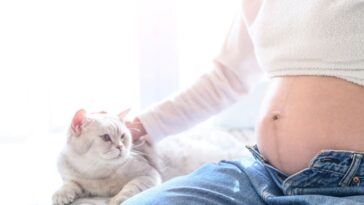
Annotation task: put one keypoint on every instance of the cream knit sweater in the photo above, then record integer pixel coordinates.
(284, 37)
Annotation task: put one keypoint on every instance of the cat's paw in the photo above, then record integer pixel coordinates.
(64, 197)
(117, 200)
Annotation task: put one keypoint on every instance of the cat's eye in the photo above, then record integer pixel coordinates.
(122, 136)
(106, 137)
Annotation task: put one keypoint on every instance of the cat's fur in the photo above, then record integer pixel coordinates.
(91, 166)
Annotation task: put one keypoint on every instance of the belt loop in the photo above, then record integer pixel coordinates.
(356, 160)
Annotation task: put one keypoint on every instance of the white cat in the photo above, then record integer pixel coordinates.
(100, 159)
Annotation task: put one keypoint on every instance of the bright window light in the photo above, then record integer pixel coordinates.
(202, 27)
(61, 56)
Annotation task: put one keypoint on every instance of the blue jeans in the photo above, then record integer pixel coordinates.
(333, 177)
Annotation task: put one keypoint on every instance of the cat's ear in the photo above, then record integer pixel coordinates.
(123, 114)
(78, 120)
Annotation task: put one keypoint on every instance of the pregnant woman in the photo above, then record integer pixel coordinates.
(310, 132)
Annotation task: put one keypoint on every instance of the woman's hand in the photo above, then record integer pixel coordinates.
(136, 128)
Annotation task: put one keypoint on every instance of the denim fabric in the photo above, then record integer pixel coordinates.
(333, 177)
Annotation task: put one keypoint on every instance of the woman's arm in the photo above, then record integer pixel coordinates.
(235, 72)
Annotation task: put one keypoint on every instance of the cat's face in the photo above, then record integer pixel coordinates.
(100, 135)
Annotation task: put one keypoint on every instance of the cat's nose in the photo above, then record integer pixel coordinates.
(118, 146)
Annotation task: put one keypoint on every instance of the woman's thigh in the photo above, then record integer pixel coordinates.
(224, 183)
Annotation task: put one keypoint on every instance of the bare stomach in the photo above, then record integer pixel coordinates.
(302, 115)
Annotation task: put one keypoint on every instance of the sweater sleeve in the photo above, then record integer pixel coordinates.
(235, 71)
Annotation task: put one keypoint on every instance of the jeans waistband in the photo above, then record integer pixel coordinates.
(332, 168)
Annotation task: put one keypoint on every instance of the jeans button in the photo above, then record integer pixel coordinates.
(356, 180)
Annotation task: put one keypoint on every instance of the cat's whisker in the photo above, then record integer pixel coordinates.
(135, 129)
(139, 144)
(138, 153)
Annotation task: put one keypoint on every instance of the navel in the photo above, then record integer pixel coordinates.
(276, 117)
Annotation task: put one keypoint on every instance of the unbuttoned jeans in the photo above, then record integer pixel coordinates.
(333, 177)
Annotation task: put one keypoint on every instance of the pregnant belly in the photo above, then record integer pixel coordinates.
(302, 115)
